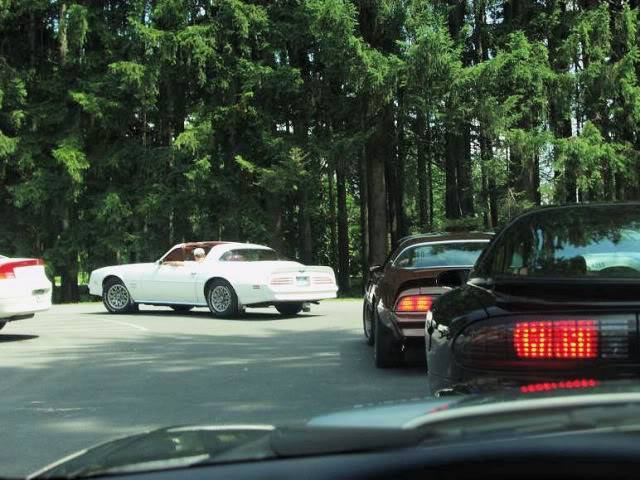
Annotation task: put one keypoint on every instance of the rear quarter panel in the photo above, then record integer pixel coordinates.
(450, 313)
(398, 280)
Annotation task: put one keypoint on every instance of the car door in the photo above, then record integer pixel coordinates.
(171, 280)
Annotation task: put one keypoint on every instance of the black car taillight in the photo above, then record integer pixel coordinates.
(559, 339)
(563, 385)
(552, 340)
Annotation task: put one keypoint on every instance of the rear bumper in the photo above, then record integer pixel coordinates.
(17, 308)
(474, 381)
(408, 328)
(268, 295)
(286, 293)
(305, 296)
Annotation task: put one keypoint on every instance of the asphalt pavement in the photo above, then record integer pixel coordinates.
(76, 375)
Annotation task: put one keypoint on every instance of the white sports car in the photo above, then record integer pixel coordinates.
(227, 278)
(24, 288)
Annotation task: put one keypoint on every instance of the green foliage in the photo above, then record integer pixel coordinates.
(173, 120)
(594, 158)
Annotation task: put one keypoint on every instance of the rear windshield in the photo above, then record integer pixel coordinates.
(251, 255)
(580, 242)
(440, 255)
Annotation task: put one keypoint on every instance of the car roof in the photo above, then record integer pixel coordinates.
(443, 237)
(546, 209)
(216, 243)
(577, 206)
(205, 244)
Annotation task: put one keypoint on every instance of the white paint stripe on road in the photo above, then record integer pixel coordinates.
(132, 325)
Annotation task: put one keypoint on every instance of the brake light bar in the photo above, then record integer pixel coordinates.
(414, 303)
(567, 385)
(561, 339)
(7, 268)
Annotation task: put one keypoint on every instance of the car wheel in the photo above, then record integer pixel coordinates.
(292, 308)
(386, 350)
(222, 299)
(367, 324)
(181, 308)
(116, 297)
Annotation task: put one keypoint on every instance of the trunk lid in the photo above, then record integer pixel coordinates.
(567, 293)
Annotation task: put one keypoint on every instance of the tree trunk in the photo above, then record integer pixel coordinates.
(452, 147)
(401, 218)
(364, 215)
(69, 273)
(464, 174)
(332, 220)
(430, 174)
(32, 39)
(454, 136)
(343, 227)
(559, 108)
(392, 188)
(63, 44)
(377, 190)
(306, 237)
(421, 173)
(300, 59)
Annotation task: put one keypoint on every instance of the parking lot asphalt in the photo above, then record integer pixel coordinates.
(76, 375)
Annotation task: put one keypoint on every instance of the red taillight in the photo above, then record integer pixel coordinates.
(414, 303)
(7, 269)
(568, 385)
(563, 339)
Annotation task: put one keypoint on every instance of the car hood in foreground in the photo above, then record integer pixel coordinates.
(367, 428)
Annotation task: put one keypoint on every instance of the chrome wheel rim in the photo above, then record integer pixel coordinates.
(220, 298)
(118, 296)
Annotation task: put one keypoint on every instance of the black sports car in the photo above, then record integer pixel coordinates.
(555, 297)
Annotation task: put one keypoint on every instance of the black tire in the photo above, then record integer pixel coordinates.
(116, 297)
(367, 324)
(181, 308)
(222, 299)
(386, 351)
(291, 308)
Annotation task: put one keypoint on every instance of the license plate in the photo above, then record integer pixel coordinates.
(302, 281)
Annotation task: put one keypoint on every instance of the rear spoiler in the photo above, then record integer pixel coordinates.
(305, 269)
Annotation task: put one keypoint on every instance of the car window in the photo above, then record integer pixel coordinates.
(251, 255)
(175, 255)
(185, 253)
(601, 245)
(440, 255)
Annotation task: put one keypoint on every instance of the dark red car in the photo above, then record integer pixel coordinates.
(401, 292)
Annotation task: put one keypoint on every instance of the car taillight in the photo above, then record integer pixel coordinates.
(566, 385)
(7, 269)
(414, 303)
(561, 339)
(512, 342)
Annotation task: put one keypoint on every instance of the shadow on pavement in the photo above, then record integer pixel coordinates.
(248, 316)
(55, 401)
(15, 338)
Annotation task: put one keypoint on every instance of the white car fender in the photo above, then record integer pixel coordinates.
(129, 274)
